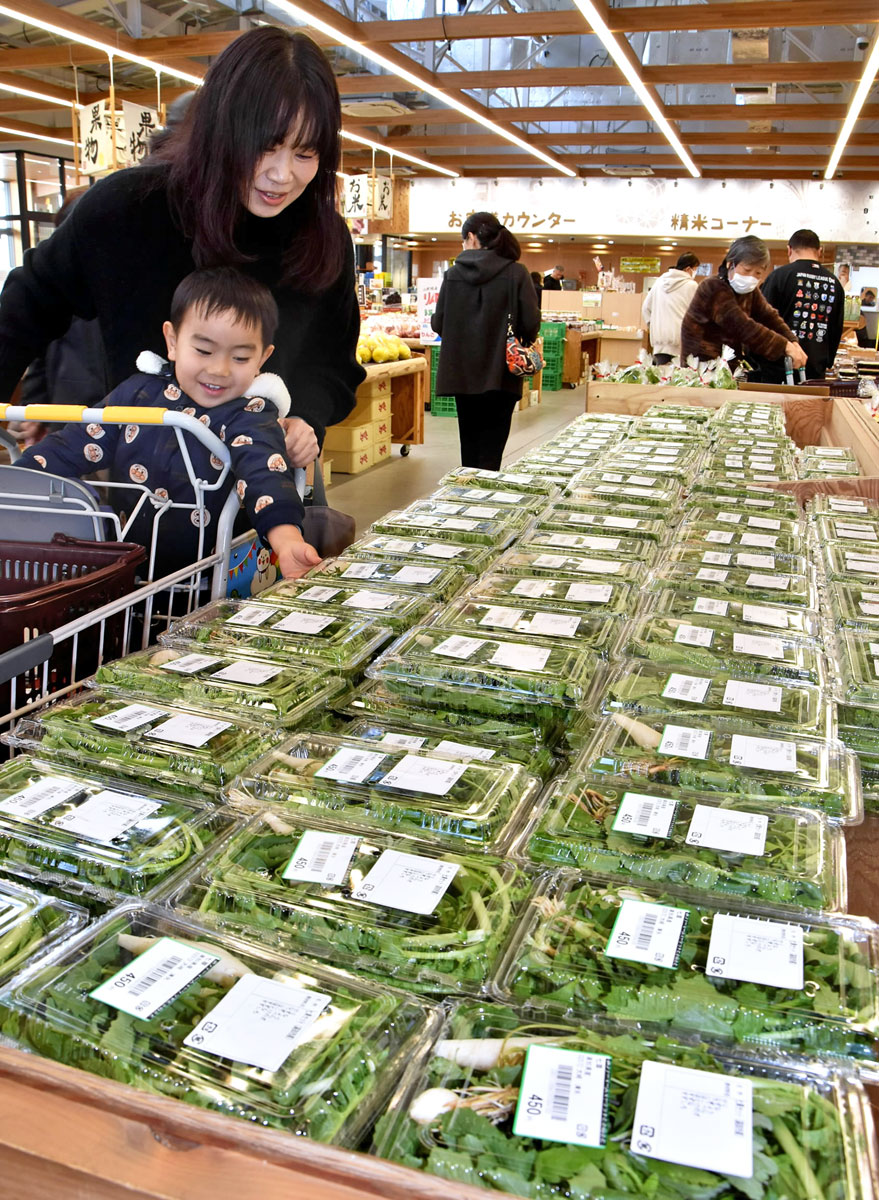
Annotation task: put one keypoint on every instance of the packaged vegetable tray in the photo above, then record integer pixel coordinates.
(343, 599)
(851, 563)
(542, 561)
(843, 505)
(262, 631)
(392, 908)
(656, 494)
(738, 583)
(640, 831)
(426, 518)
(185, 753)
(168, 1007)
(517, 505)
(702, 514)
(556, 626)
(569, 595)
(762, 560)
(570, 554)
(672, 962)
(692, 602)
(31, 925)
(452, 803)
(555, 527)
(744, 497)
(732, 538)
(424, 579)
(605, 522)
(420, 549)
(854, 531)
(515, 480)
(493, 1103)
(73, 831)
(275, 693)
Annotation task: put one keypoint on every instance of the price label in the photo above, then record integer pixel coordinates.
(534, 588)
(319, 595)
(154, 978)
(729, 518)
(869, 610)
(106, 815)
(460, 524)
(188, 729)
(695, 1118)
(598, 543)
(722, 536)
(321, 858)
(360, 570)
(565, 539)
(350, 766)
(259, 1022)
(760, 561)
(694, 635)
(398, 545)
(648, 933)
(708, 575)
(552, 625)
(758, 614)
(760, 647)
(502, 618)
(563, 1096)
(740, 693)
(598, 566)
(481, 510)
(443, 506)
(769, 953)
(408, 882)
(457, 646)
(31, 802)
(763, 754)
(716, 608)
(520, 658)
(589, 593)
(728, 829)
(417, 575)
(552, 561)
(307, 623)
(250, 614)
(403, 741)
(649, 816)
(692, 689)
(716, 559)
(245, 671)
(435, 776)
(189, 664)
(683, 742)
(767, 541)
(779, 582)
(641, 480)
(621, 522)
(129, 717)
(464, 753)
(436, 550)
(372, 601)
(763, 523)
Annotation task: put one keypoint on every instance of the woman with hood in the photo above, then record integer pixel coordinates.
(485, 291)
(664, 307)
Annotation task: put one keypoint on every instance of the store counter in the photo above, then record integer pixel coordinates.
(584, 347)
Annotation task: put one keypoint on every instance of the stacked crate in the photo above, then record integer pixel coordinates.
(553, 334)
(364, 437)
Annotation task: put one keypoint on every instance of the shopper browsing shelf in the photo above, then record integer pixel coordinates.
(729, 309)
(664, 307)
(249, 181)
(485, 291)
(218, 336)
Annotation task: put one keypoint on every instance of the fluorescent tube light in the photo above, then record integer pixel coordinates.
(421, 162)
(33, 95)
(871, 65)
(37, 137)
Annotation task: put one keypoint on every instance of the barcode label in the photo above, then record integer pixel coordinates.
(458, 646)
(155, 977)
(31, 802)
(563, 1096)
(694, 635)
(769, 953)
(648, 933)
(649, 816)
(690, 688)
(715, 608)
(728, 829)
(408, 882)
(360, 570)
(321, 858)
(683, 742)
(350, 766)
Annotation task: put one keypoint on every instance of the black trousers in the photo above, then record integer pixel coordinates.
(484, 426)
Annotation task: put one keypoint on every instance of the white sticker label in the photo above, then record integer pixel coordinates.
(190, 664)
(258, 1022)
(728, 829)
(458, 523)
(564, 539)
(552, 625)
(251, 614)
(716, 558)
(350, 766)
(763, 523)
(435, 550)
(435, 776)
(443, 506)
(245, 671)
(694, 635)
(707, 575)
(308, 623)
(403, 741)
(769, 953)
(502, 618)
(684, 742)
(760, 647)
(187, 729)
(641, 480)
(372, 601)
(360, 570)
(649, 816)
(722, 536)
(758, 614)
(457, 646)
(463, 753)
(417, 575)
(33, 801)
(399, 546)
(553, 561)
(690, 688)
(598, 566)
(716, 608)
(520, 658)
(695, 1118)
(155, 977)
(869, 610)
(764, 754)
(621, 522)
(131, 716)
(761, 561)
(767, 541)
(510, 477)
(648, 933)
(408, 882)
(534, 588)
(590, 593)
(481, 510)
(321, 857)
(729, 518)
(740, 693)
(563, 1096)
(319, 595)
(106, 815)
(780, 582)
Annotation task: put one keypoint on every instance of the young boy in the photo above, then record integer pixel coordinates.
(218, 336)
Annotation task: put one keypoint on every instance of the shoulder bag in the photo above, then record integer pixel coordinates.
(521, 360)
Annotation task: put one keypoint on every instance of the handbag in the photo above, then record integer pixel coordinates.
(521, 359)
(330, 531)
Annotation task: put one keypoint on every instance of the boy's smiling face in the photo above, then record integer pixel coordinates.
(217, 357)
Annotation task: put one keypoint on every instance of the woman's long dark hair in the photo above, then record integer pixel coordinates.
(492, 235)
(748, 249)
(263, 83)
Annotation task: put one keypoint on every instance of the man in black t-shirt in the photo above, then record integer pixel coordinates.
(811, 301)
(553, 281)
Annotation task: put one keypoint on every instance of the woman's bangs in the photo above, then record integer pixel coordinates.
(300, 113)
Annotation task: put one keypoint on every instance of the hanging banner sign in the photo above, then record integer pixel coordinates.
(95, 145)
(369, 196)
(139, 124)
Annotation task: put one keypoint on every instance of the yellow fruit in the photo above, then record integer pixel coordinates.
(380, 355)
(405, 351)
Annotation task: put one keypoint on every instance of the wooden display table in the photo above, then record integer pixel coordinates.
(582, 348)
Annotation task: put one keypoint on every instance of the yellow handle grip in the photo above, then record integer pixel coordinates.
(115, 413)
(134, 416)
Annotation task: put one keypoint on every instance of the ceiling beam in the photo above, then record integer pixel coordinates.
(742, 137)
(680, 113)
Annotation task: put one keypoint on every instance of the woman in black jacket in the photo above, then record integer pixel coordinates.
(486, 289)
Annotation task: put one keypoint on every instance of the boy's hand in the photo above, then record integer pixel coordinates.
(300, 440)
(295, 556)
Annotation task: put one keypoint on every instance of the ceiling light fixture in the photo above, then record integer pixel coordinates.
(35, 137)
(422, 162)
(307, 18)
(634, 80)
(871, 65)
(23, 91)
(105, 47)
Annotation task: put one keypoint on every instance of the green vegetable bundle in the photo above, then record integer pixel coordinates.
(745, 584)
(31, 924)
(424, 578)
(426, 518)
(422, 549)
(560, 625)
(735, 615)
(516, 480)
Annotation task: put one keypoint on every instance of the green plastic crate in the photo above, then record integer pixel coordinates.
(553, 331)
(443, 406)
(552, 380)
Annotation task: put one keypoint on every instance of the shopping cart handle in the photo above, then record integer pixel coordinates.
(25, 657)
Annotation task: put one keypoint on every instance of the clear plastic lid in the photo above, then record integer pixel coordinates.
(435, 579)
(239, 687)
(393, 908)
(852, 563)
(843, 505)
(467, 1111)
(559, 625)
(520, 743)
(361, 599)
(425, 518)
(490, 674)
(677, 469)
(713, 534)
(31, 925)
(589, 599)
(186, 753)
(516, 480)
(765, 616)
(790, 768)
(744, 497)
(605, 543)
(710, 644)
(607, 522)
(407, 791)
(859, 660)
(507, 503)
(738, 558)
(640, 688)
(658, 493)
(749, 417)
(264, 632)
(756, 976)
(529, 558)
(70, 829)
(746, 584)
(741, 520)
(640, 831)
(420, 549)
(169, 1007)
(855, 532)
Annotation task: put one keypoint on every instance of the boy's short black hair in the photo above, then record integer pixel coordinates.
(223, 289)
(686, 261)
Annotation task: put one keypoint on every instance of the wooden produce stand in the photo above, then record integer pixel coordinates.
(389, 408)
(584, 347)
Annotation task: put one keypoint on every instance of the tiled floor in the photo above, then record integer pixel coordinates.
(397, 483)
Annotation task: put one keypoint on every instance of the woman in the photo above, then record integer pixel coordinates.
(537, 280)
(248, 181)
(729, 309)
(485, 291)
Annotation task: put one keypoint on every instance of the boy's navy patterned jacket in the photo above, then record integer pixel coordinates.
(150, 455)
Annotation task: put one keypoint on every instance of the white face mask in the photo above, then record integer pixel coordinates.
(743, 283)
